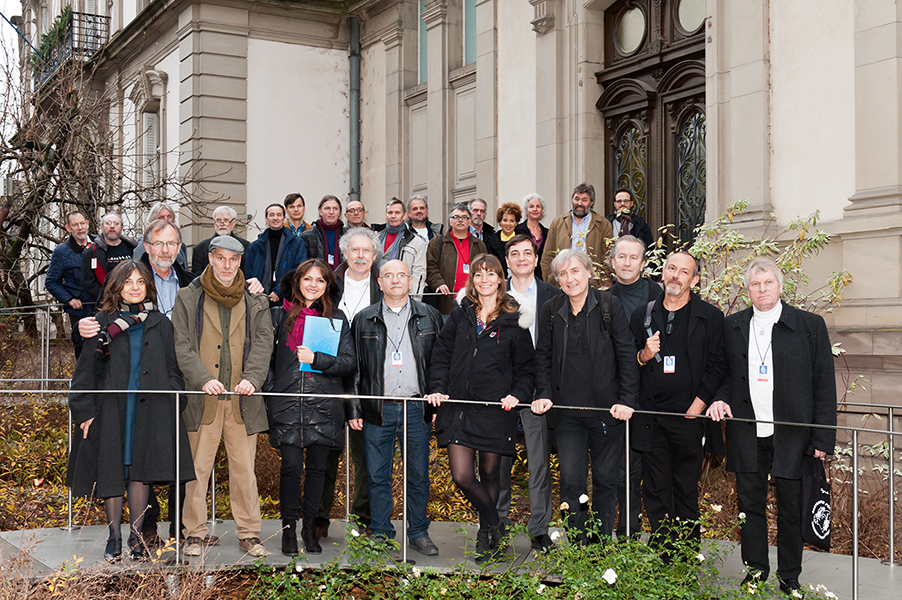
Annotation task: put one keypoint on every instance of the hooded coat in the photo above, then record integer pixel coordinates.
(486, 367)
(299, 420)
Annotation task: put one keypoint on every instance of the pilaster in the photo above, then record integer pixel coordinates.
(487, 102)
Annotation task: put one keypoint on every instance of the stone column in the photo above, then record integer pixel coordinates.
(551, 42)
(486, 103)
(871, 227)
(400, 44)
(213, 107)
(437, 36)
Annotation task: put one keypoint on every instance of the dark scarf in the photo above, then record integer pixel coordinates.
(323, 228)
(296, 337)
(625, 220)
(392, 252)
(227, 296)
(117, 326)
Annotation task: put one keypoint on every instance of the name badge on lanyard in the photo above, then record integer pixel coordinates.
(331, 258)
(94, 262)
(396, 359)
(466, 269)
(670, 364)
(763, 375)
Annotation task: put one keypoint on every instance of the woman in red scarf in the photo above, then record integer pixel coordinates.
(301, 424)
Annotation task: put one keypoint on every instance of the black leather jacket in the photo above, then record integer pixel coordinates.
(370, 341)
(299, 420)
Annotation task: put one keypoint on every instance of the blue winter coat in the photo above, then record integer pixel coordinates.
(292, 252)
(63, 278)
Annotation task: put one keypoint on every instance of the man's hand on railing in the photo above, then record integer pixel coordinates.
(435, 399)
(245, 388)
(540, 406)
(214, 387)
(76, 304)
(622, 412)
(718, 410)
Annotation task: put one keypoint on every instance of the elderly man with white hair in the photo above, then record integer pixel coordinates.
(164, 211)
(224, 220)
(780, 369)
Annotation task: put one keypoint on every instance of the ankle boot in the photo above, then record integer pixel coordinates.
(289, 537)
(499, 539)
(483, 545)
(308, 535)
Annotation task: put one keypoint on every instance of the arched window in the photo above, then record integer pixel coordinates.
(653, 104)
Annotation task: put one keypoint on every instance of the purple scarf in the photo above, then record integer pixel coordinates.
(296, 337)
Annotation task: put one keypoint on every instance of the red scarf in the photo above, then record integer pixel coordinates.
(296, 337)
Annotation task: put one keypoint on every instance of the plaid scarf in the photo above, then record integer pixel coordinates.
(120, 324)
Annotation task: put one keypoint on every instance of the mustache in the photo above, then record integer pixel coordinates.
(359, 261)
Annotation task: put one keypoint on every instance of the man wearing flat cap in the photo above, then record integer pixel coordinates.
(223, 343)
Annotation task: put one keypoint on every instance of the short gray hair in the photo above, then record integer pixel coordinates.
(525, 202)
(225, 209)
(565, 256)
(460, 206)
(627, 238)
(484, 203)
(160, 225)
(156, 208)
(417, 197)
(761, 264)
(344, 244)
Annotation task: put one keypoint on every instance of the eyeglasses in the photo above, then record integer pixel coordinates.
(459, 218)
(398, 276)
(354, 211)
(168, 245)
(223, 221)
(669, 328)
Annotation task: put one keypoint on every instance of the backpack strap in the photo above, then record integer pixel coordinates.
(648, 309)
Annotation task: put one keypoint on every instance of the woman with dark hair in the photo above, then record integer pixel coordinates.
(508, 216)
(300, 424)
(322, 237)
(483, 353)
(127, 438)
(534, 207)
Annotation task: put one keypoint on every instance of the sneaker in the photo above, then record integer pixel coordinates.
(193, 546)
(424, 546)
(252, 546)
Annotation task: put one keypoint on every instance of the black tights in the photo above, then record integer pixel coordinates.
(483, 492)
(138, 494)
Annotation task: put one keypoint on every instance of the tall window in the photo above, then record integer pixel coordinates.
(150, 154)
(469, 31)
(422, 44)
(653, 103)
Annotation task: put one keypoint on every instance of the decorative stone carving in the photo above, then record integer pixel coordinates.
(544, 16)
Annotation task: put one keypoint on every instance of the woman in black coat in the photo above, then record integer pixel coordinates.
(534, 207)
(127, 439)
(508, 216)
(300, 424)
(484, 353)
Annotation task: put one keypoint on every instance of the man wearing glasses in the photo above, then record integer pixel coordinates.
(394, 340)
(355, 214)
(448, 257)
(625, 220)
(682, 363)
(224, 220)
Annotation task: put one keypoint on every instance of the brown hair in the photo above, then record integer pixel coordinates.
(518, 239)
(298, 301)
(503, 302)
(115, 281)
(508, 208)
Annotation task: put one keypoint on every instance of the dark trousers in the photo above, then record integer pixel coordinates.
(635, 483)
(670, 472)
(538, 456)
(152, 516)
(294, 462)
(78, 342)
(579, 437)
(360, 505)
(752, 491)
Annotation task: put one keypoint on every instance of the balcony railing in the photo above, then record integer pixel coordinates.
(85, 35)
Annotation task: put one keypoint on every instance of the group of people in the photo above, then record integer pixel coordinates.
(519, 335)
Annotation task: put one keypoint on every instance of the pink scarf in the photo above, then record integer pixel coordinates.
(296, 337)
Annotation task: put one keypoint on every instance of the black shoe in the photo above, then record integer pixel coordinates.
(789, 586)
(136, 547)
(424, 546)
(289, 537)
(542, 543)
(113, 550)
(308, 534)
(322, 531)
(500, 540)
(483, 546)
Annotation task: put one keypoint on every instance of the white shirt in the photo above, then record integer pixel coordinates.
(423, 233)
(761, 366)
(355, 298)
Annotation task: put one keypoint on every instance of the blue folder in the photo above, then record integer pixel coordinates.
(321, 335)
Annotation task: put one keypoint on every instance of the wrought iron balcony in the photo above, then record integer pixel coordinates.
(85, 35)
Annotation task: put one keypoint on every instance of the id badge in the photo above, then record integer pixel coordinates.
(396, 360)
(466, 269)
(93, 263)
(763, 375)
(669, 364)
(331, 259)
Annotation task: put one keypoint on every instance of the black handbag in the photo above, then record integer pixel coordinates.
(815, 503)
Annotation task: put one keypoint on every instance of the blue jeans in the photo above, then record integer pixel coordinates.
(579, 437)
(379, 450)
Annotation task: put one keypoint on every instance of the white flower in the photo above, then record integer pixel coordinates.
(299, 567)
(700, 557)
(355, 533)
(322, 587)
(610, 576)
(796, 594)
(416, 572)
(565, 506)
(742, 516)
(541, 588)
(583, 499)
(716, 507)
(555, 536)
(830, 595)
(443, 591)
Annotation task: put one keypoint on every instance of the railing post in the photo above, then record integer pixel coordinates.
(855, 514)
(213, 520)
(347, 472)
(892, 492)
(69, 526)
(404, 483)
(627, 484)
(178, 481)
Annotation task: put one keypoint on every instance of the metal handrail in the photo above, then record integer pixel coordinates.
(856, 431)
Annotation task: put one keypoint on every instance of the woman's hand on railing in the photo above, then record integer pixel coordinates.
(718, 410)
(436, 399)
(509, 402)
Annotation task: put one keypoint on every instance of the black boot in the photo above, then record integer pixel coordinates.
(308, 534)
(483, 546)
(499, 540)
(289, 537)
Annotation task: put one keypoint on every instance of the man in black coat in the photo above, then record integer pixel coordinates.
(394, 340)
(781, 369)
(626, 222)
(585, 360)
(224, 220)
(522, 258)
(682, 367)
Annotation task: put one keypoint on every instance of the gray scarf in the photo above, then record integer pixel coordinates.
(395, 249)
